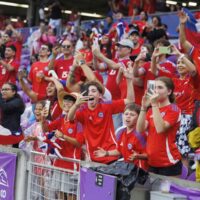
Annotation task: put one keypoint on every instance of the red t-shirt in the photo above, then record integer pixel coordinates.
(9, 76)
(87, 55)
(18, 45)
(98, 127)
(111, 84)
(62, 68)
(161, 148)
(195, 54)
(128, 143)
(39, 85)
(71, 129)
(185, 93)
(150, 76)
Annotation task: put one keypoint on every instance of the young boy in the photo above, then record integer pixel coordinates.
(131, 144)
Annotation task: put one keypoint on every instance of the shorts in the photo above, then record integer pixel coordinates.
(181, 136)
(173, 170)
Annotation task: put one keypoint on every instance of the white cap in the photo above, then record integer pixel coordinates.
(126, 42)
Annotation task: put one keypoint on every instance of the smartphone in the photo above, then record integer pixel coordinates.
(132, 58)
(150, 86)
(164, 50)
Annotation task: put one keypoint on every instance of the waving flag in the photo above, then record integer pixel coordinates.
(120, 30)
(191, 30)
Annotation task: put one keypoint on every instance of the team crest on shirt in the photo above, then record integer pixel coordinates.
(90, 118)
(129, 146)
(100, 115)
(70, 131)
(46, 68)
(162, 114)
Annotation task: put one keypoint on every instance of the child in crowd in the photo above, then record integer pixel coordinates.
(131, 144)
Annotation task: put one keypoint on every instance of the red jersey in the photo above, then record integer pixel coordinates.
(128, 143)
(98, 127)
(62, 68)
(39, 85)
(161, 148)
(71, 129)
(87, 55)
(137, 50)
(195, 55)
(185, 93)
(9, 76)
(111, 84)
(150, 76)
(55, 109)
(18, 45)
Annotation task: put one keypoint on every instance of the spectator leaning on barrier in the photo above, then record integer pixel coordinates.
(162, 122)
(131, 144)
(96, 117)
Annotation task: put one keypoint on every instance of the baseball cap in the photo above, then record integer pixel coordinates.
(126, 42)
(133, 31)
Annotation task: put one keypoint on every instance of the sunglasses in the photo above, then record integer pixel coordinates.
(66, 46)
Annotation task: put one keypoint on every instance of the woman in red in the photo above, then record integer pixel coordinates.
(185, 90)
(162, 122)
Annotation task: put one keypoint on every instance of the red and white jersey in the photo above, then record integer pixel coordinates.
(195, 55)
(9, 76)
(185, 93)
(39, 85)
(71, 129)
(161, 148)
(98, 127)
(63, 66)
(133, 142)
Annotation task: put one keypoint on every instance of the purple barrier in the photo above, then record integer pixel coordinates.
(94, 185)
(190, 193)
(7, 175)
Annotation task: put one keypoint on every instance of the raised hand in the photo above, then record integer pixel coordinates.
(182, 17)
(128, 72)
(145, 101)
(174, 50)
(81, 99)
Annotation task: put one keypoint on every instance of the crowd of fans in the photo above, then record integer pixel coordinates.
(103, 94)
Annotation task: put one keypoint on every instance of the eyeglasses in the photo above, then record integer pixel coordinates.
(66, 46)
(6, 89)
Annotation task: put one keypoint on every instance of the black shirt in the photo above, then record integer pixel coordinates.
(11, 111)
